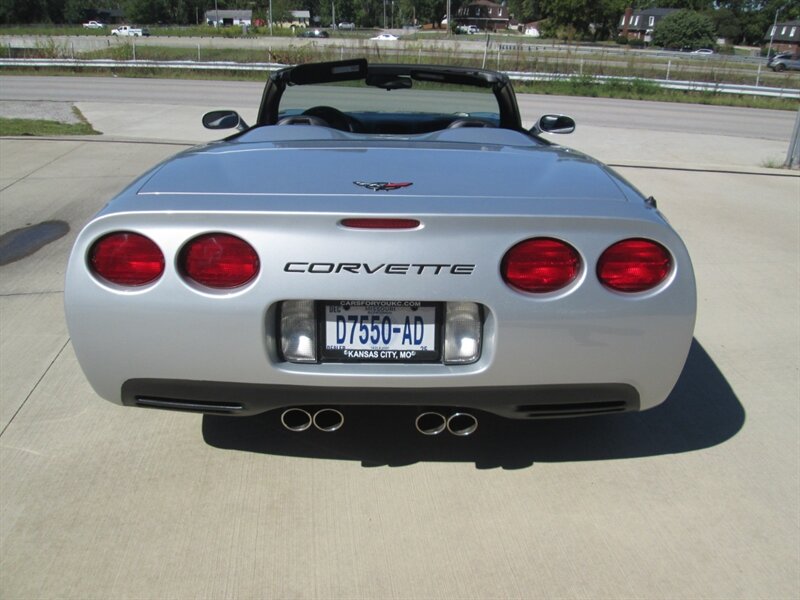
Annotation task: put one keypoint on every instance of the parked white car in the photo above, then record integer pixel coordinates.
(93, 25)
(386, 37)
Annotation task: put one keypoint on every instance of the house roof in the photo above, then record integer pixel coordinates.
(642, 18)
(300, 14)
(788, 31)
(654, 12)
(484, 10)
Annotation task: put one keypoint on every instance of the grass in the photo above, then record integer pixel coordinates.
(42, 127)
(542, 60)
(773, 163)
(37, 127)
(48, 29)
(645, 90)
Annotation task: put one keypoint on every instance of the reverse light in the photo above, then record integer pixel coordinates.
(298, 331)
(219, 261)
(540, 265)
(126, 258)
(462, 333)
(634, 265)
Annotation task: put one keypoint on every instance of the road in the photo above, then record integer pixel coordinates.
(596, 112)
(698, 498)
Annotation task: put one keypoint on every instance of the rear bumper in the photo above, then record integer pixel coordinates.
(517, 402)
(175, 342)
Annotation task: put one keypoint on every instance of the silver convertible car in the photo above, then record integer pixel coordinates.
(382, 235)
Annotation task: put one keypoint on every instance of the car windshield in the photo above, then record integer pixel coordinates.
(423, 97)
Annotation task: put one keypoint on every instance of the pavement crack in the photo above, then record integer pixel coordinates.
(703, 170)
(44, 165)
(34, 388)
(42, 293)
(107, 140)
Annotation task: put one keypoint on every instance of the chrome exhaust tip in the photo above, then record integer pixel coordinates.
(430, 423)
(462, 424)
(328, 419)
(296, 419)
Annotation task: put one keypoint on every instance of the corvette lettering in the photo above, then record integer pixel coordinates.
(387, 268)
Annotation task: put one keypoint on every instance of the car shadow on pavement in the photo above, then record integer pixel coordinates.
(702, 411)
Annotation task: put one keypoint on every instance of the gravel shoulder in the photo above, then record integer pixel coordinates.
(63, 112)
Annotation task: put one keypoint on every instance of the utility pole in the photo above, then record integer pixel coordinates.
(449, 25)
(216, 14)
(772, 33)
(270, 18)
(384, 14)
(793, 155)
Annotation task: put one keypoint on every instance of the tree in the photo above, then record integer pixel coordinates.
(525, 11)
(76, 11)
(585, 16)
(148, 11)
(684, 29)
(756, 16)
(28, 11)
(726, 24)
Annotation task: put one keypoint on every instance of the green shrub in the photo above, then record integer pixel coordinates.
(685, 29)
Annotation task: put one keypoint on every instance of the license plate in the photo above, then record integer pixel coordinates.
(380, 331)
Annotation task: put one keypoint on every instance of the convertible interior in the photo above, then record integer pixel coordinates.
(385, 99)
(383, 123)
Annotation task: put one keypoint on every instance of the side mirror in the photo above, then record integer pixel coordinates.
(554, 124)
(223, 119)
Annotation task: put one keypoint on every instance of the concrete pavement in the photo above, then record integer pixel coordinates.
(698, 498)
(624, 146)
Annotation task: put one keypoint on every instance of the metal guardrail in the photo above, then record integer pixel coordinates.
(625, 52)
(103, 63)
(695, 86)
(692, 86)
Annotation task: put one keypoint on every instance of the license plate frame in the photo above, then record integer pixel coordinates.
(402, 315)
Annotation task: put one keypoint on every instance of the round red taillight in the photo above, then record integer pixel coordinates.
(219, 260)
(540, 265)
(634, 265)
(126, 258)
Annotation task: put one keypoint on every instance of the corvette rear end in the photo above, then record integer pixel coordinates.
(526, 281)
(385, 242)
